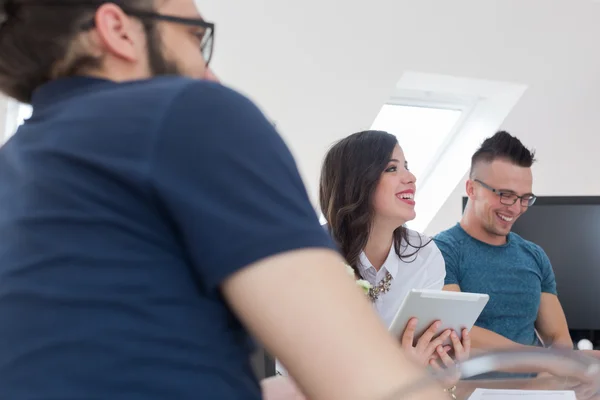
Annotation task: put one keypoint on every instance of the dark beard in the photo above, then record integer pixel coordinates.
(157, 62)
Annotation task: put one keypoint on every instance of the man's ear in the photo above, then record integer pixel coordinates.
(116, 32)
(470, 188)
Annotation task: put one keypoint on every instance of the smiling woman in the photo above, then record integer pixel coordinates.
(367, 194)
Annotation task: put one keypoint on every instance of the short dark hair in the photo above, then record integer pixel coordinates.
(38, 41)
(503, 146)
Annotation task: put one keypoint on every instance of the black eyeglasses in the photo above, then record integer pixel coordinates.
(206, 33)
(509, 198)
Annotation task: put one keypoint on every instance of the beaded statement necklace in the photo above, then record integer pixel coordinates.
(381, 288)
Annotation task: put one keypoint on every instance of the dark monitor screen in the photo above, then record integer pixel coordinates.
(568, 229)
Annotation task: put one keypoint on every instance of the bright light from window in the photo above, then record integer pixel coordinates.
(23, 113)
(322, 219)
(421, 131)
(16, 114)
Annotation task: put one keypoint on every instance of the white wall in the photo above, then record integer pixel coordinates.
(322, 71)
(450, 212)
(564, 129)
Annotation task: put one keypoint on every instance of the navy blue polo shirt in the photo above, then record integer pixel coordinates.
(123, 207)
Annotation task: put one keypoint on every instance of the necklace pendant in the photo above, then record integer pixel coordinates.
(373, 294)
(381, 288)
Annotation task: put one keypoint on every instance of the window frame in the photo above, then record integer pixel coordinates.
(426, 99)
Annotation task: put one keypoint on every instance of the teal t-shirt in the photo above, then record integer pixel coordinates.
(514, 275)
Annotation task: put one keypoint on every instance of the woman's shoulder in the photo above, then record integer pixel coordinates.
(423, 243)
(411, 233)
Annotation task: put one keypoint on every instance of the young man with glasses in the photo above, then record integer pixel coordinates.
(482, 254)
(150, 218)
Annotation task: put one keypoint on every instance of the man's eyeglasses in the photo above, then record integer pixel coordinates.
(206, 31)
(509, 198)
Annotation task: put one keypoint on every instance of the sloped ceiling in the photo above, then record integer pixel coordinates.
(322, 69)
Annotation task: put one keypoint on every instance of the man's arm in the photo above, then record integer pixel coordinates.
(297, 301)
(233, 194)
(551, 322)
(280, 388)
(484, 339)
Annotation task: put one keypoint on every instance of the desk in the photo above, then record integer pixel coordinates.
(466, 388)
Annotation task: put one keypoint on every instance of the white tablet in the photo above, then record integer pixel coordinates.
(456, 311)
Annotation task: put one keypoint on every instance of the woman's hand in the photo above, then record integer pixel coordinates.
(461, 352)
(426, 347)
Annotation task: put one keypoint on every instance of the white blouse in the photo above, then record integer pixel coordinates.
(425, 270)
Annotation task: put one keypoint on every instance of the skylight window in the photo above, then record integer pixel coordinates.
(422, 132)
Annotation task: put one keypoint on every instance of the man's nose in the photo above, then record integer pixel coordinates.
(517, 208)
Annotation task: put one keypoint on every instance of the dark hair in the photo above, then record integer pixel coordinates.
(503, 146)
(40, 41)
(349, 177)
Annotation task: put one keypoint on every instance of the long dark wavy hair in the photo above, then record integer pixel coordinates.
(349, 177)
